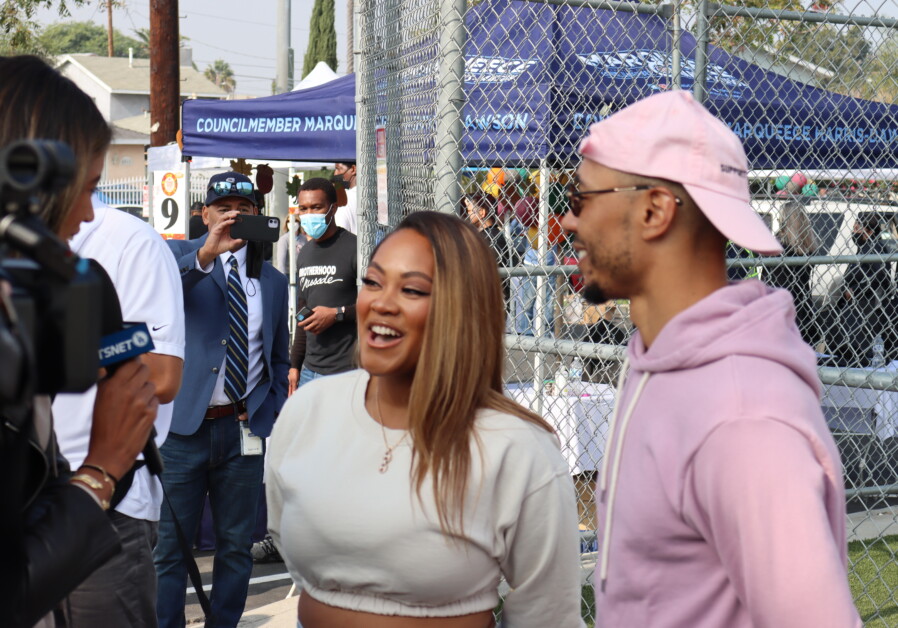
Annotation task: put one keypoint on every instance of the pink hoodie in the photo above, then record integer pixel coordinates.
(729, 507)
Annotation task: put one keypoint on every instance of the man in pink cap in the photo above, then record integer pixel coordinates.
(720, 500)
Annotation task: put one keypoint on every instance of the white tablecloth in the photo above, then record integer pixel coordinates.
(581, 421)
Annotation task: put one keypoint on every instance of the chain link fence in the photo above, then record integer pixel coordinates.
(477, 106)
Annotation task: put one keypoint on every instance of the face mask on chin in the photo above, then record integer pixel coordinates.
(314, 224)
(859, 239)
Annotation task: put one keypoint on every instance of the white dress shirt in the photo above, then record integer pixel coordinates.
(253, 290)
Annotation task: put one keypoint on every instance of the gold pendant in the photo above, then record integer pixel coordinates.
(388, 458)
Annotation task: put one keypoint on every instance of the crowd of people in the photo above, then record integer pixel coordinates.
(402, 484)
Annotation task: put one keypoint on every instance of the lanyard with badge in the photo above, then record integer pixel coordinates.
(250, 444)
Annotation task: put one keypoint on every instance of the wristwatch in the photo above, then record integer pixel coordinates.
(341, 314)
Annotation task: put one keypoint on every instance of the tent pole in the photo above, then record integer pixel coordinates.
(450, 103)
(702, 36)
(291, 274)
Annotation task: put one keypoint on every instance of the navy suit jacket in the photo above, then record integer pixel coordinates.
(206, 327)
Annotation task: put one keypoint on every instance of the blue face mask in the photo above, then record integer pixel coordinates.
(313, 224)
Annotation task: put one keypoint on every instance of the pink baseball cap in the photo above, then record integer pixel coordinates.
(671, 136)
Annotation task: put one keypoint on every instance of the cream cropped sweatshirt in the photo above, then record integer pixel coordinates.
(359, 539)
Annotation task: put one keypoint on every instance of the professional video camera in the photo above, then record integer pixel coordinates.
(57, 297)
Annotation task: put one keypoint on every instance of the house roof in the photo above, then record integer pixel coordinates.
(120, 76)
(135, 124)
(133, 130)
(789, 66)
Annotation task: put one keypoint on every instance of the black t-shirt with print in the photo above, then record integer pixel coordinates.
(326, 275)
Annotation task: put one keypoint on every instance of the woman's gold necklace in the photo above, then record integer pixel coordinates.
(388, 455)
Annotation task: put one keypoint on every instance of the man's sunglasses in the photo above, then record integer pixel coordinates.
(575, 196)
(222, 188)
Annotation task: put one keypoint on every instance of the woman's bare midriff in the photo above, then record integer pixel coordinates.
(315, 614)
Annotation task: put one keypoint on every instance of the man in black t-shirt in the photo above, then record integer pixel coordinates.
(326, 272)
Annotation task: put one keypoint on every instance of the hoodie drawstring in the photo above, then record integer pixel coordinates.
(615, 466)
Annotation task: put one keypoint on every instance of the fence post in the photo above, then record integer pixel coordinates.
(702, 37)
(450, 104)
(676, 57)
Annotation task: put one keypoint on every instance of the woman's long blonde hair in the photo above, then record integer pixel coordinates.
(796, 229)
(39, 103)
(460, 367)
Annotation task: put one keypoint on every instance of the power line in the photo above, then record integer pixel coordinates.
(245, 65)
(304, 29)
(229, 19)
(232, 51)
(250, 76)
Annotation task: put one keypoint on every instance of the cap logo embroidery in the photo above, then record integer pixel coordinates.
(724, 168)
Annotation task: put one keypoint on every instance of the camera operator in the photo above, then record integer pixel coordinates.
(54, 530)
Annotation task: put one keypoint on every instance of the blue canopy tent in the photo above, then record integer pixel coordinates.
(314, 124)
(538, 74)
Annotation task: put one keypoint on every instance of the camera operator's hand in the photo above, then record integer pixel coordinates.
(219, 239)
(124, 413)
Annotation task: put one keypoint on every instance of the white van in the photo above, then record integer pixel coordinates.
(833, 219)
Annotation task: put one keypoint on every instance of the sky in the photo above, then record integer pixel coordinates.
(224, 29)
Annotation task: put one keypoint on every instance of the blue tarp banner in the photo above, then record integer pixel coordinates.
(537, 75)
(315, 124)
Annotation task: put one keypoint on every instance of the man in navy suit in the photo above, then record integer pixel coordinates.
(235, 382)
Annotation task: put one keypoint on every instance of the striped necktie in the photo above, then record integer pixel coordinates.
(237, 363)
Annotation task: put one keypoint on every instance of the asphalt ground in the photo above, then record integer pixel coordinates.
(270, 582)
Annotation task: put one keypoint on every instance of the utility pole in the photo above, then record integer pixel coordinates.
(110, 48)
(284, 51)
(165, 72)
(350, 35)
(278, 203)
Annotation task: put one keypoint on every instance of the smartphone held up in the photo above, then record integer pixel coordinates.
(256, 228)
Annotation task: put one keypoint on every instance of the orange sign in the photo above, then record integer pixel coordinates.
(169, 184)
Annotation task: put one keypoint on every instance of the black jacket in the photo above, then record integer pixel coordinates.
(52, 533)
(869, 284)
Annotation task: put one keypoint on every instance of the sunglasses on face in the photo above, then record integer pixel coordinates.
(244, 188)
(575, 196)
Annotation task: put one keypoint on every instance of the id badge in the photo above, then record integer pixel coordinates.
(250, 444)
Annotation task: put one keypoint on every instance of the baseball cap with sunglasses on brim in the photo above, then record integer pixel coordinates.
(230, 184)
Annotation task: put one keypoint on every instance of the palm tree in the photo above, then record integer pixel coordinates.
(220, 73)
(143, 36)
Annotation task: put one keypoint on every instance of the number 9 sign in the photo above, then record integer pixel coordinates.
(169, 199)
(169, 212)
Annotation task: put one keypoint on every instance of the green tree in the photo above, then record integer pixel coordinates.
(322, 37)
(841, 51)
(143, 36)
(74, 37)
(881, 72)
(18, 29)
(220, 73)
